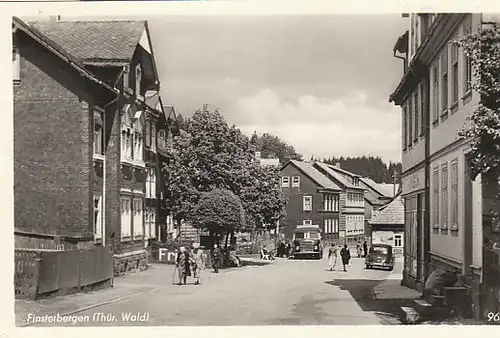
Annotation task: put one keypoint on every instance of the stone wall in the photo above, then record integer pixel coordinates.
(130, 262)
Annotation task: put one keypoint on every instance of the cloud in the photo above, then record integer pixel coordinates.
(324, 127)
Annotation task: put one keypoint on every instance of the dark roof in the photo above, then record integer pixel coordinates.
(336, 175)
(391, 214)
(95, 41)
(315, 175)
(58, 50)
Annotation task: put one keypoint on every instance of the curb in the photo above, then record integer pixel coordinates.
(93, 306)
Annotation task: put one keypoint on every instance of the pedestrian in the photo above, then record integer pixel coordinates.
(216, 256)
(198, 261)
(365, 249)
(332, 256)
(288, 249)
(182, 264)
(358, 249)
(346, 256)
(282, 249)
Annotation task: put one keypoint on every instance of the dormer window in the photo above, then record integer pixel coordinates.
(138, 80)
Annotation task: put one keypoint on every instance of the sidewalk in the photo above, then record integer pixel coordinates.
(157, 276)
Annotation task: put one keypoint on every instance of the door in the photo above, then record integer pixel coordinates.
(419, 233)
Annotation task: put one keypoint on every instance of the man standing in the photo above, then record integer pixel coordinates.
(346, 256)
(216, 256)
(332, 256)
(365, 249)
(198, 259)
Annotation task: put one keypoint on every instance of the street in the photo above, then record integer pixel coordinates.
(284, 292)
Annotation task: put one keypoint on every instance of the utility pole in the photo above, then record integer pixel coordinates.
(394, 181)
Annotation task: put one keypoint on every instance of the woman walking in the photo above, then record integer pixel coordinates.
(346, 256)
(358, 250)
(332, 256)
(182, 264)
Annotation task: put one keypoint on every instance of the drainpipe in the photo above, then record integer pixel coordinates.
(401, 58)
(427, 173)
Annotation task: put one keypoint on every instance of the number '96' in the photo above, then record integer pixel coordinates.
(494, 317)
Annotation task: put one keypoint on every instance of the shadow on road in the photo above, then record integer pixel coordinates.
(362, 291)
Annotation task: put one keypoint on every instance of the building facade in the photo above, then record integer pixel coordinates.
(387, 225)
(312, 200)
(443, 206)
(352, 201)
(120, 55)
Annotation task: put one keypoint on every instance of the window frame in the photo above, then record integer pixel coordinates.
(436, 92)
(287, 183)
(435, 197)
(444, 196)
(304, 198)
(445, 79)
(297, 183)
(98, 219)
(125, 210)
(467, 66)
(454, 219)
(416, 104)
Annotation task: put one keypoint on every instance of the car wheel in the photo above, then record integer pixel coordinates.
(391, 268)
(367, 266)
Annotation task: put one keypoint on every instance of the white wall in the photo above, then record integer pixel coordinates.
(477, 223)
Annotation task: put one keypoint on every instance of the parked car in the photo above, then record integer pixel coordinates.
(381, 256)
(307, 243)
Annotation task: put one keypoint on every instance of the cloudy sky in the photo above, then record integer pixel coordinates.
(320, 82)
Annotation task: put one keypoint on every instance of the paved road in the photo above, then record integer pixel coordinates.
(286, 292)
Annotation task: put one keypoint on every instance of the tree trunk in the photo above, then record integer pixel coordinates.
(227, 239)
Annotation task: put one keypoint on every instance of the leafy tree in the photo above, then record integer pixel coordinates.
(218, 211)
(210, 155)
(272, 146)
(483, 126)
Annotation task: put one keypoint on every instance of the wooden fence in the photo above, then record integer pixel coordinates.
(42, 272)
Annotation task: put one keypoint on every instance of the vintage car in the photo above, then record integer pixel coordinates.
(307, 243)
(381, 256)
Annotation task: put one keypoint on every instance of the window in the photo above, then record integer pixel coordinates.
(161, 139)
(331, 226)
(435, 192)
(97, 216)
(423, 117)
(153, 137)
(150, 183)
(417, 113)
(330, 202)
(16, 64)
(138, 218)
(152, 219)
(435, 92)
(138, 79)
(467, 61)
(307, 203)
(125, 218)
(398, 241)
(454, 74)
(410, 121)
(444, 82)
(444, 196)
(405, 126)
(148, 134)
(295, 181)
(454, 195)
(285, 181)
(307, 222)
(138, 149)
(98, 139)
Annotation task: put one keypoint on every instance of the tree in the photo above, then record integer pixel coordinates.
(272, 146)
(218, 211)
(483, 126)
(210, 155)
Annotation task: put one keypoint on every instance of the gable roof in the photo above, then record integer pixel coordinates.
(391, 214)
(372, 185)
(112, 41)
(337, 176)
(59, 51)
(315, 175)
(388, 189)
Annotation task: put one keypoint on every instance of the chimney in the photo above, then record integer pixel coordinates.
(257, 154)
(55, 18)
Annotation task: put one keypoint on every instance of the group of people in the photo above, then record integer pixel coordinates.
(345, 254)
(196, 260)
(284, 249)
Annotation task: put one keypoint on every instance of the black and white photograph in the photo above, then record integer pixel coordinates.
(256, 170)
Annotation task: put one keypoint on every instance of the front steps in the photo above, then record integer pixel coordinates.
(454, 303)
